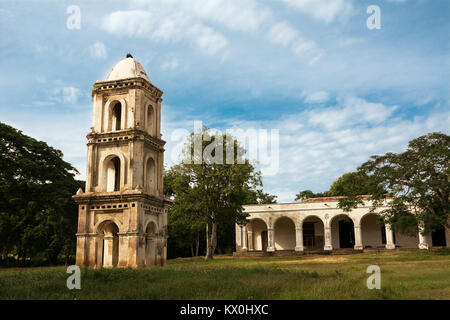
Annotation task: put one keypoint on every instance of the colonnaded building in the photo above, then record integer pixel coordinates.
(318, 225)
(122, 214)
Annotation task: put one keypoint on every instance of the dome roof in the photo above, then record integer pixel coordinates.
(127, 68)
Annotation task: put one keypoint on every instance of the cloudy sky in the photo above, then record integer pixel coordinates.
(337, 91)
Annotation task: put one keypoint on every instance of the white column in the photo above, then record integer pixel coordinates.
(358, 238)
(245, 240)
(328, 246)
(389, 237)
(423, 239)
(270, 236)
(250, 240)
(299, 239)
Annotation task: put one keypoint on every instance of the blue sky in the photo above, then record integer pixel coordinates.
(337, 91)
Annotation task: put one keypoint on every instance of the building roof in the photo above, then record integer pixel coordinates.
(127, 68)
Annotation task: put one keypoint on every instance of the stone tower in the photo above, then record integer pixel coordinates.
(122, 215)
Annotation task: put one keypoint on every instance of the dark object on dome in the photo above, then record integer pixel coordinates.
(129, 55)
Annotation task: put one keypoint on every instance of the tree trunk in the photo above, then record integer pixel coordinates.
(211, 239)
(197, 244)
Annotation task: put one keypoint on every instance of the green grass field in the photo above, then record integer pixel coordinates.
(404, 275)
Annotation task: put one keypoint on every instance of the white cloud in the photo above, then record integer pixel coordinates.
(324, 10)
(284, 35)
(170, 64)
(315, 97)
(209, 41)
(194, 21)
(65, 95)
(98, 50)
(317, 146)
(351, 110)
(245, 16)
(167, 27)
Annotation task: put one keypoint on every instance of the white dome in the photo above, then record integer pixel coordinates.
(127, 68)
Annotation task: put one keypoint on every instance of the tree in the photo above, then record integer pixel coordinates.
(211, 185)
(307, 194)
(349, 184)
(414, 184)
(260, 197)
(186, 226)
(37, 214)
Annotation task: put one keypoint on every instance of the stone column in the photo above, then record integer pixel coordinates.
(238, 237)
(89, 168)
(123, 250)
(358, 238)
(328, 246)
(148, 246)
(93, 255)
(134, 254)
(298, 239)
(250, 240)
(108, 251)
(244, 239)
(389, 237)
(270, 240)
(81, 250)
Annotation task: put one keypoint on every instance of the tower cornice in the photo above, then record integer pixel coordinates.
(124, 137)
(122, 196)
(131, 83)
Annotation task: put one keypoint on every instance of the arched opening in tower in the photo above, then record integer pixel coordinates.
(150, 245)
(150, 119)
(116, 116)
(150, 176)
(113, 175)
(110, 244)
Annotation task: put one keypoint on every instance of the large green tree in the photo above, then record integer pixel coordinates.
(349, 184)
(38, 217)
(211, 184)
(186, 226)
(415, 184)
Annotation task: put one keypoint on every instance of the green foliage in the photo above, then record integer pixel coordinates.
(210, 192)
(415, 184)
(260, 197)
(38, 217)
(307, 194)
(349, 184)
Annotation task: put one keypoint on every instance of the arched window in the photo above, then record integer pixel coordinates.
(150, 115)
(116, 119)
(113, 175)
(150, 180)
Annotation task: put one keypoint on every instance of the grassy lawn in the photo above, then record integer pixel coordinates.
(404, 275)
